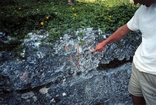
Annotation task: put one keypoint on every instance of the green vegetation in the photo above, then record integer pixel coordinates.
(18, 17)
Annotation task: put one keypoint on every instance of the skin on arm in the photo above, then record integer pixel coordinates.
(118, 34)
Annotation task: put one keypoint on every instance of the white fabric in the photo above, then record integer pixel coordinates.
(144, 20)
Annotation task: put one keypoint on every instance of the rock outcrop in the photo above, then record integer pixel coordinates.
(65, 72)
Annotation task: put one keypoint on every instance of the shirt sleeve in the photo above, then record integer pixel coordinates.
(133, 23)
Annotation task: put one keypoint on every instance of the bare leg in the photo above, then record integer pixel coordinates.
(138, 100)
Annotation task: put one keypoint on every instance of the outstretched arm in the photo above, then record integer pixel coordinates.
(118, 34)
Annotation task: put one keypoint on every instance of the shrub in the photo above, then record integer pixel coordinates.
(18, 17)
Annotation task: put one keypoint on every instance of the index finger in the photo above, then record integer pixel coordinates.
(94, 50)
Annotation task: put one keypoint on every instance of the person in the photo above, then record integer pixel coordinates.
(71, 2)
(142, 84)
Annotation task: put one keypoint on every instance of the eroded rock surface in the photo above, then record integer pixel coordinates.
(66, 72)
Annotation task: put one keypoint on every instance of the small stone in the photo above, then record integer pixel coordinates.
(64, 94)
(44, 90)
(27, 95)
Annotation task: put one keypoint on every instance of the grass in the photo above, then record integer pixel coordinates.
(23, 16)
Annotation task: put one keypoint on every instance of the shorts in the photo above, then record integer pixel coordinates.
(143, 85)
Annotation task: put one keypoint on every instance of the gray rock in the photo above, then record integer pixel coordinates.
(67, 73)
(94, 88)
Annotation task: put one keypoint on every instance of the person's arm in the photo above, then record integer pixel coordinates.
(118, 34)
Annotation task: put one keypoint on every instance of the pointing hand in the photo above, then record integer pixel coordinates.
(99, 48)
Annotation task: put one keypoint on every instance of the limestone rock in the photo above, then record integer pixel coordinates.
(67, 73)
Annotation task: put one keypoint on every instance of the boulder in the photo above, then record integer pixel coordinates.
(66, 72)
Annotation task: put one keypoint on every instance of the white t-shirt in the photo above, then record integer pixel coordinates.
(144, 20)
